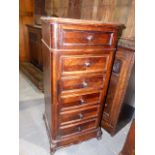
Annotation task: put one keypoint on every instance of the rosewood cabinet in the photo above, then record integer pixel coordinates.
(35, 48)
(77, 63)
(117, 111)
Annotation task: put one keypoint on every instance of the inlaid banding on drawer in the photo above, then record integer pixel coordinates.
(78, 115)
(78, 83)
(78, 101)
(83, 64)
(77, 128)
(81, 38)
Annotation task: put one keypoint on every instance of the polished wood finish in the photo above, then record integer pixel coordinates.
(79, 101)
(129, 146)
(35, 48)
(117, 109)
(77, 63)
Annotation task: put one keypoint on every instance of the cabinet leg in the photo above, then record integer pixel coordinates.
(52, 151)
(99, 134)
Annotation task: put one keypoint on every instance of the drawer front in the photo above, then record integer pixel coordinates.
(77, 101)
(85, 38)
(77, 128)
(83, 64)
(79, 83)
(78, 115)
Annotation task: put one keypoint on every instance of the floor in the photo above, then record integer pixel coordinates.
(33, 137)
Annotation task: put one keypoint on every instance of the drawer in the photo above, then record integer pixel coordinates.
(79, 83)
(77, 128)
(77, 101)
(75, 115)
(83, 39)
(83, 64)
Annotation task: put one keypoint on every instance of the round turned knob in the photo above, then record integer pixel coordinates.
(81, 115)
(82, 101)
(79, 128)
(84, 84)
(87, 64)
(89, 38)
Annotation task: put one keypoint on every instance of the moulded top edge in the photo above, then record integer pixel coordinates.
(79, 21)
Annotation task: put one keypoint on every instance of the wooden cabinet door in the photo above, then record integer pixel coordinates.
(122, 67)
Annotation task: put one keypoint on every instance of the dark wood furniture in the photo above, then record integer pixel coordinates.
(118, 111)
(77, 63)
(129, 146)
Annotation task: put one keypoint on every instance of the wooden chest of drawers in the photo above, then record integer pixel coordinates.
(77, 62)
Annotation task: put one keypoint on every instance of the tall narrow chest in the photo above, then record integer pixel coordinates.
(77, 63)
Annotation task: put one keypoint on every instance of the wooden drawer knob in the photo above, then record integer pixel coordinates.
(89, 38)
(82, 101)
(84, 84)
(87, 64)
(79, 129)
(81, 115)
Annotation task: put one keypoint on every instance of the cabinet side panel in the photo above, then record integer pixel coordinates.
(117, 89)
(47, 82)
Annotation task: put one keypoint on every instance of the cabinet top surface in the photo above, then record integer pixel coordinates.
(79, 21)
